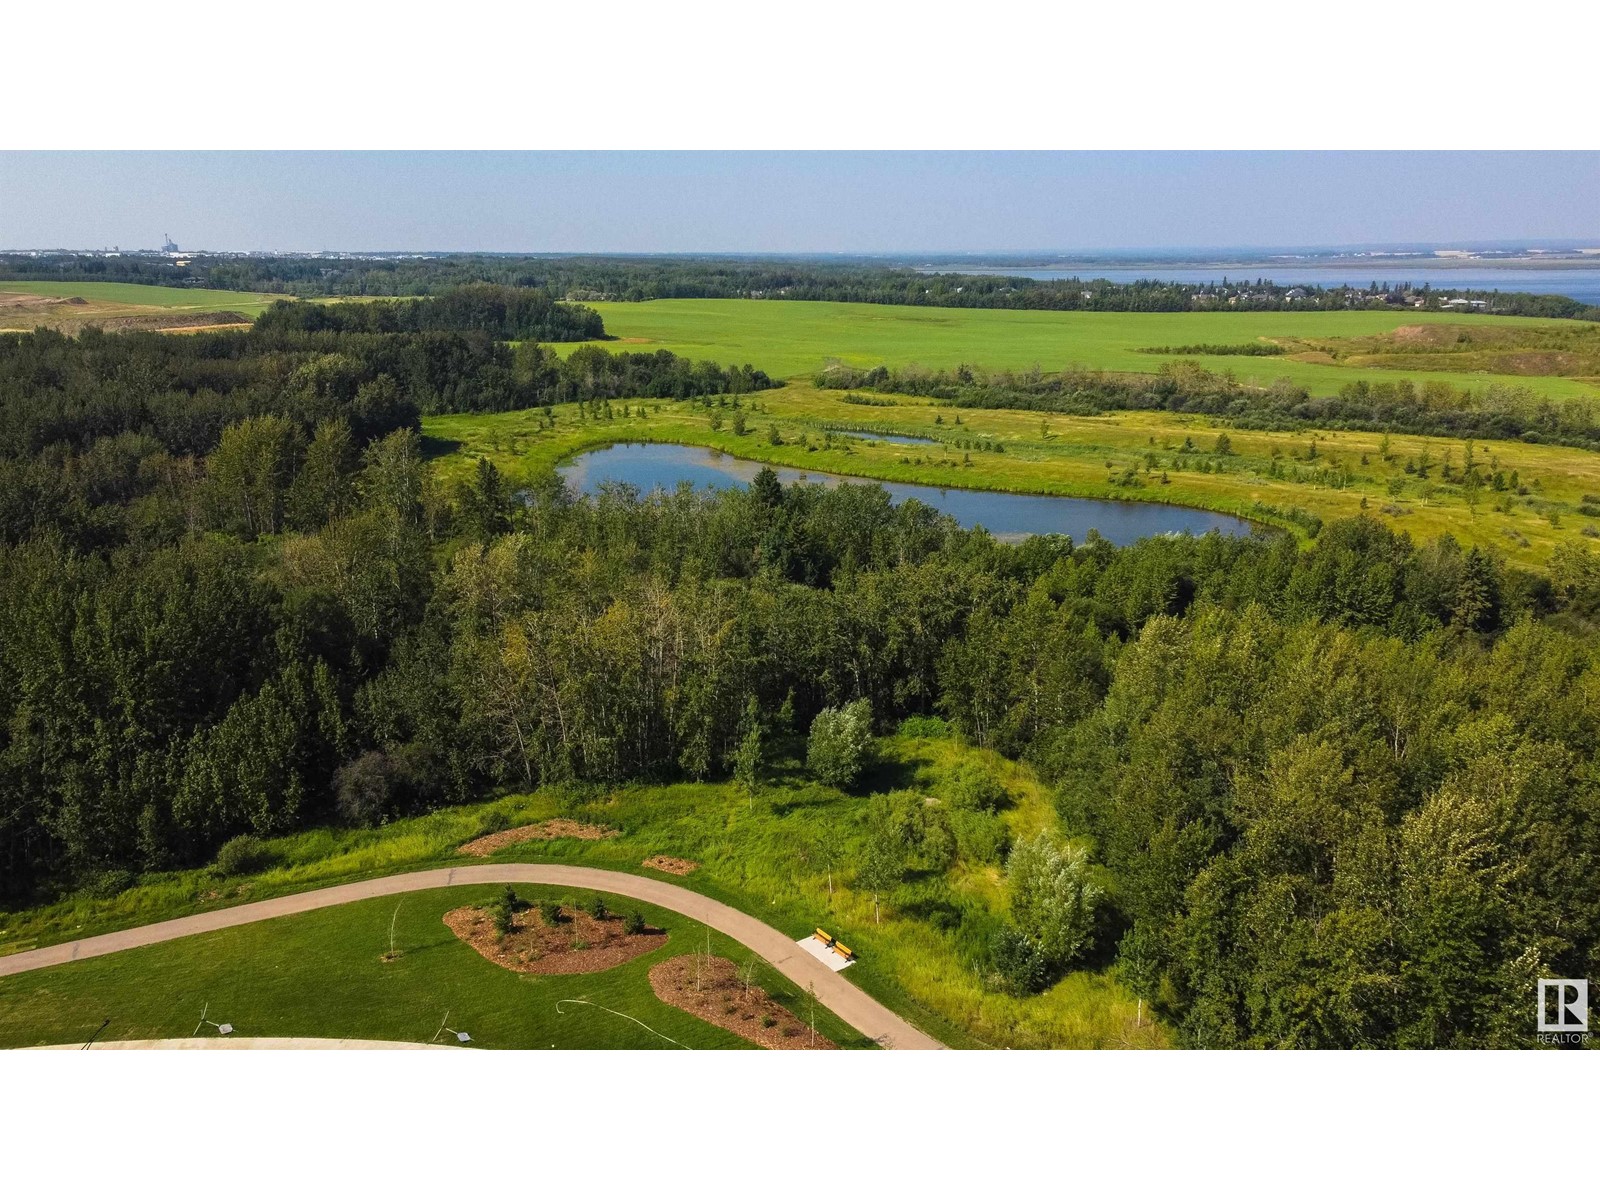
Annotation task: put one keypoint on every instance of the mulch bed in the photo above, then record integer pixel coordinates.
(578, 944)
(544, 831)
(672, 866)
(723, 1000)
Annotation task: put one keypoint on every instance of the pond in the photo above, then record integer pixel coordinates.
(898, 439)
(1006, 515)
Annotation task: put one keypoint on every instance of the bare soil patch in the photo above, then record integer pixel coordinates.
(578, 944)
(672, 866)
(543, 831)
(711, 990)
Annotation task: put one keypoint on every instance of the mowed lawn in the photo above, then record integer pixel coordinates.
(138, 296)
(322, 974)
(796, 337)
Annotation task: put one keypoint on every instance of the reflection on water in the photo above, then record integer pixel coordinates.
(664, 466)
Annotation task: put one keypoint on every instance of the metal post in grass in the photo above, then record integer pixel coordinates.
(392, 955)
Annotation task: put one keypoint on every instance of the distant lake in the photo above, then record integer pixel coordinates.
(1581, 283)
(1010, 517)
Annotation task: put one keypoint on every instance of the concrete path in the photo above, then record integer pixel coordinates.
(837, 993)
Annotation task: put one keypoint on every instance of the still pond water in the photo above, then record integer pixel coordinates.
(664, 466)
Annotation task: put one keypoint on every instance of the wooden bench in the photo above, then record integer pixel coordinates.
(842, 950)
(826, 938)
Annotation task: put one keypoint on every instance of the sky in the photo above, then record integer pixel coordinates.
(790, 202)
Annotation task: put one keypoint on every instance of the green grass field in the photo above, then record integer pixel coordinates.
(768, 857)
(322, 974)
(789, 338)
(1089, 456)
(139, 296)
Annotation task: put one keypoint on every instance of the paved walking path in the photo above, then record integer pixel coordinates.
(842, 997)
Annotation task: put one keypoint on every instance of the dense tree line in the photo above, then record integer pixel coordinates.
(510, 314)
(591, 277)
(1434, 408)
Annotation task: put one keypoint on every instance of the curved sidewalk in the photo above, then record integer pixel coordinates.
(842, 997)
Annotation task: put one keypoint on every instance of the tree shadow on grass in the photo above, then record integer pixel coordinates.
(889, 775)
(941, 914)
(437, 447)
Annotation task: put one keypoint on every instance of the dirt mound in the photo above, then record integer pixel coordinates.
(672, 866)
(577, 944)
(543, 831)
(27, 300)
(710, 989)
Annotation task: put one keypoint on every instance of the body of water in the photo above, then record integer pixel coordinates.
(1581, 283)
(1008, 516)
(898, 439)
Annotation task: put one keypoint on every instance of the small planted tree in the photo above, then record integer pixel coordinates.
(597, 907)
(882, 867)
(836, 751)
(633, 922)
(550, 912)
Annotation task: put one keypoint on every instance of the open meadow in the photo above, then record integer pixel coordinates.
(789, 338)
(69, 306)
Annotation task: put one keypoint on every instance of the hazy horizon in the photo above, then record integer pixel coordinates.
(796, 203)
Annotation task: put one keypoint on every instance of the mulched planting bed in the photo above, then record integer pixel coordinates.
(578, 944)
(710, 989)
(544, 831)
(672, 866)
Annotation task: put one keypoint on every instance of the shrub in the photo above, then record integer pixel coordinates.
(1019, 965)
(925, 727)
(104, 885)
(381, 785)
(493, 821)
(768, 1020)
(505, 917)
(973, 788)
(837, 749)
(633, 923)
(597, 907)
(550, 912)
(242, 855)
(980, 837)
(365, 789)
(510, 900)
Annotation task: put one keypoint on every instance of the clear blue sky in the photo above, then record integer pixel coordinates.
(789, 202)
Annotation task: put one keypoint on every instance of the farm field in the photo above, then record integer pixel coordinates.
(323, 974)
(25, 305)
(789, 338)
(769, 856)
(1170, 456)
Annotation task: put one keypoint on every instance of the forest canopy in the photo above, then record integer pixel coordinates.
(1340, 794)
